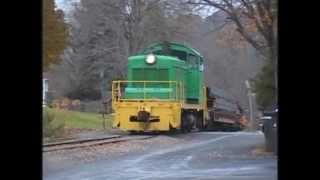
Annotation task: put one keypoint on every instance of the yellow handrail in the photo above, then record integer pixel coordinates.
(179, 94)
(144, 92)
(176, 90)
(117, 81)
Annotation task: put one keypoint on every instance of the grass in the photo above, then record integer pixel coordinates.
(82, 120)
(52, 127)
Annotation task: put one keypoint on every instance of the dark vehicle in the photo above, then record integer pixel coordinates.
(270, 129)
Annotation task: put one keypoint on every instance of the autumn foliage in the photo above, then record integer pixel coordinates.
(255, 23)
(66, 104)
(54, 34)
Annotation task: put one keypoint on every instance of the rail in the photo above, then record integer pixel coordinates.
(90, 142)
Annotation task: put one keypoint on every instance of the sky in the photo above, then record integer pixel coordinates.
(65, 5)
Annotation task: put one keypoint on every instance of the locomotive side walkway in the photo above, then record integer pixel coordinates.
(199, 155)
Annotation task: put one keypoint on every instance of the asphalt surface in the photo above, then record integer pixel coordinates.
(207, 155)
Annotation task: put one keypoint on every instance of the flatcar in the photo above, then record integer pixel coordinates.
(225, 113)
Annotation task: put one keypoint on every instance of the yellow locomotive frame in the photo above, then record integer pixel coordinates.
(166, 111)
(165, 114)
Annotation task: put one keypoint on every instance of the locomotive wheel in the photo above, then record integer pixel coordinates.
(184, 122)
(189, 129)
(173, 130)
(182, 128)
(192, 120)
(199, 121)
(200, 125)
(133, 132)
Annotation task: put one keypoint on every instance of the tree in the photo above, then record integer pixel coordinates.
(54, 34)
(103, 33)
(256, 22)
(143, 23)
(264, 84)
(96, 46)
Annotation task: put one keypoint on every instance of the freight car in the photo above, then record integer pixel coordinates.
(164, 91)
(225, 114)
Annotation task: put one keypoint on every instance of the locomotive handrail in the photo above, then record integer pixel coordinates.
(144, 81)
(175, 91)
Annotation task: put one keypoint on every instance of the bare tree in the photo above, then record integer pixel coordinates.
(103, 34)
(262, 14)
(96, 46)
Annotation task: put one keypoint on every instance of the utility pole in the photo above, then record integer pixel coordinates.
(45, 88)
(102, 90)
(250, 104)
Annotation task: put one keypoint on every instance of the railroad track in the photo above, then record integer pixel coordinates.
(81, 143)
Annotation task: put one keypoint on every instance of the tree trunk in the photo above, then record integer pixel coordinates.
(274, 59)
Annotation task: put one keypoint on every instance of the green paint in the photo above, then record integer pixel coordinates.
(180, 63)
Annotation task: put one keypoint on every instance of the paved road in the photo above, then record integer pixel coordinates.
(208, 155)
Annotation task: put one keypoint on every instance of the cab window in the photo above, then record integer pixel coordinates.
(179, 54)
(201, 67)
(193, 61)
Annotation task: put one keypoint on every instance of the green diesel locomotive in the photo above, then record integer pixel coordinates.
(164, 91)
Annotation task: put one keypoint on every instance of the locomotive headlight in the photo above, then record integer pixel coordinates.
(150, 59)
